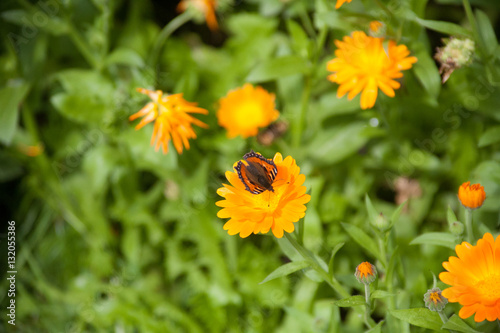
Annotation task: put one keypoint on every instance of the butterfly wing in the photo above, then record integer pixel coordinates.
(256, 172)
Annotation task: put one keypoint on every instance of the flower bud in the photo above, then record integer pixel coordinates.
(366, 273)
(434, 301)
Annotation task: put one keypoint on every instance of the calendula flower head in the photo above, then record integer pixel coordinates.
(471, 196)
(244, 110)
(455, 54)
(474, 277)
(275, 210)
(203, 7)
(172, 120)
(366, 273)
(434, 301)
(362, 64)
(377, 29)
(341, 2)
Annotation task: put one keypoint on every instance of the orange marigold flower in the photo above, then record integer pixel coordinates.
(242, 111)
(206, 7)
(172, 120)
(340, 3)
(434, 300)
(474, 278)
(276, 211)
(366, 273)
(362, 64)
(471, 196)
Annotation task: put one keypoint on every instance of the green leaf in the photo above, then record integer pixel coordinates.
(444, 27)
(377, 328)
(10, 98)
(332, 257)
(363, 240)
(275, 68)
(420, 317)
(350, 301)
(395, 215)
(372, 212)
(436, 238)
(492, 135)
(450, 216)
(300, 39)
(457, 324)
(486, 33)
(286, 269)
(381, 294)
(427, 73)
(125, 56)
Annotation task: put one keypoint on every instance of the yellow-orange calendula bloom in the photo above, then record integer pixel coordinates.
(362, 64)
(172, 120)
(471, 196)
(474, 278)
(206, 7)
(366, 273)
(341, 2)
(277, 211)
(244, 110)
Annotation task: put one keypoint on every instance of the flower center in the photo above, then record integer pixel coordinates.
(435, 297)
(365, 269)
(269, 201)
(489, 287)
(249, 114)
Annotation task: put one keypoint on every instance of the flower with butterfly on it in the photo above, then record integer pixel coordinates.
(244, 110)
(172, 120)
(263, 195)
(363, 65)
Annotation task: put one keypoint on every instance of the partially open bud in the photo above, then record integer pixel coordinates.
(455, 54)
(366, 273)
(434, 301)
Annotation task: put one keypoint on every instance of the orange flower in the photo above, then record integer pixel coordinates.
(362, 64)
(245, 109)
(172, 120)
(31, 151)
(434, 300)
(474, 278)
(366, 273)
(471, 196)
(340, 3)
(276, 211)
(206, 7)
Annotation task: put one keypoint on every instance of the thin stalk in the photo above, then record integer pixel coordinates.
(368, 307)
(443, 317)
(299, 125)
(82, 46)
(468, 225)
(167, 30)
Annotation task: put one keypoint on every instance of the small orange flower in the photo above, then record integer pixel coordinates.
(474, 278)
(172, 120)
(206, 7)
(366, 273)
(242, 111)
(471, 196)
(434, 300)
(363, 65)
(375, 26)
(277, 211)
(31, 151)
(340, 3)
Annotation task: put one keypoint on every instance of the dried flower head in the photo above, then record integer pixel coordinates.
(455, 54)
(434, 301)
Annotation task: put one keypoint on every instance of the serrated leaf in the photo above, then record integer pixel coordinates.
(458, 325)
(286, 269)
(350, 301)
(450, 216)
(420, 317)
(444, 27)
(10, 98)
(363, 240)
(491, 136)
(436, 238)
(275, 68)
(486, 33)
(381, 294)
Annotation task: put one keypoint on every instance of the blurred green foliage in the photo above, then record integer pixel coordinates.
(113, 236)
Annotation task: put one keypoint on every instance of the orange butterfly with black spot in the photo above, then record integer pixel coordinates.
(256, 172)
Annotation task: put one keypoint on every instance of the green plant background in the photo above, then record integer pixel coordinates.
(113, 236)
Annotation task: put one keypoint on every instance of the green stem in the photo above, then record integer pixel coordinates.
(472, 20)
(468, 225)
(82, 45)
(308, 256)
(167, 30)
(443, 317)
(368, 307)
(299, 125)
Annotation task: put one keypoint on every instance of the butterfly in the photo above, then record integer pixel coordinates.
(256, 172)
